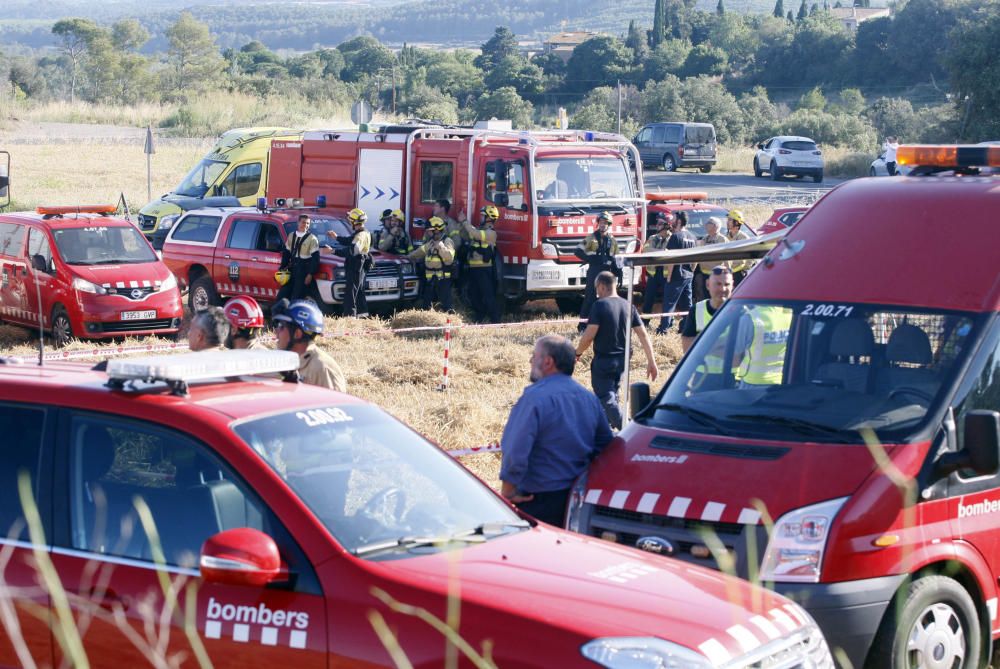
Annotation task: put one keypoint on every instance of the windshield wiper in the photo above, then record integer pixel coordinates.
(474, 535)
(802, 425)
(697, 415)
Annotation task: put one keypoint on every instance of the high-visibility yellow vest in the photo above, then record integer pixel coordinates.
(481, 241)
(766, 359)
(712, 364)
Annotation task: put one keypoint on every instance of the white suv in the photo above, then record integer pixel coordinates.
(789, 156)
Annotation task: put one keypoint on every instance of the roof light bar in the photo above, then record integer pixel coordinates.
(188, 367)
(693, 196)
(947, 156)
(78, 209)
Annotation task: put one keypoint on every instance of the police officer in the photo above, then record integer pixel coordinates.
(296, 325)
(482, 251)
(394, 239)
(598, 250)
(734, 232)
(438, 255)
(677, 294)
(246, 320)
(720, 287)
(357, 255)
(301, 258)
(763, 360)
(655, 281)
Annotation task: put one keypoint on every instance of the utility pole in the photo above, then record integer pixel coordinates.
(393, 89)
(619, 106)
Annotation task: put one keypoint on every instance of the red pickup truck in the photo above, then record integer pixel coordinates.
(220, 252)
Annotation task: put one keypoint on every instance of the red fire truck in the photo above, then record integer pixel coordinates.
(550, 186)
(835, 429)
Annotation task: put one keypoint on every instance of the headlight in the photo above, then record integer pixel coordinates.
(795, 549)
(630, 247)
(167, 221)
(169, 283)
(85, 286)
(574, 511)
(642, 653)
(407, 268)
(549, 250)
(339, 274)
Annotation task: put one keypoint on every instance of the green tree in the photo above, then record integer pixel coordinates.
(502, 44)
(75, 36)
(705, 59)
(707, 100)
(429, 103)
(813, 99)
(636, 43)
(364, 56)
(759, 115)
(594, 117)
(871, 52)
(779, 9)
(892, 117)
(551, 64)
(975, 74)
(920, 37)
(734, 34)
(720, 8)
(659, 32)
(852, 101)
(457, 78)
(518, 73)
(598, 61)
(505, 103)
(666, 59)
(194, 60)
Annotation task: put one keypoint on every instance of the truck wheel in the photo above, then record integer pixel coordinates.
(705, 169)
(932, 623)
(569, 304)
(62, 329)
(202, 294)
(669, 164)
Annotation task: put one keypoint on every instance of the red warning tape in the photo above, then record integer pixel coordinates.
(474, 450)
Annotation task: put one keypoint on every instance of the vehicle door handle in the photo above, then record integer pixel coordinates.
(255, 259)
(227, 256)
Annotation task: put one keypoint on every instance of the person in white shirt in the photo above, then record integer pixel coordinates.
(890, 146)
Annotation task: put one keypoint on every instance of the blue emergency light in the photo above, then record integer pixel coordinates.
(321, 201)
(262, 203)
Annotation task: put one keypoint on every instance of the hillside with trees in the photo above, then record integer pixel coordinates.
(925, 73)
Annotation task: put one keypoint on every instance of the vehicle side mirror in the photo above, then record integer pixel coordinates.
(761, 145)
(501, 199)
(638, 398)
(982, 446)
(240, 556)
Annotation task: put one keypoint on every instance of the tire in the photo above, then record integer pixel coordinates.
(871, 172)
(669, 164)
(757, 172)
(934, 617)
(775, 171)
(569, 304)
(818, 178)
(62, 329)
(202, 294)
(705, 169)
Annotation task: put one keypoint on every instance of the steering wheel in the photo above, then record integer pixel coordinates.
(386, 506)
(599, 193)
(910, 390)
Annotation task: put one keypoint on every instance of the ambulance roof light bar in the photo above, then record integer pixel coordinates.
(949, 156)
(53, 212)
(668, 196)
(177, 371)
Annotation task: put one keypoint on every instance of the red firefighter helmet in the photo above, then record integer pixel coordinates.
(244, 313)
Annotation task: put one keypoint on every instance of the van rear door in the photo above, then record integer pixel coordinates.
(699, 140)
(13, 270)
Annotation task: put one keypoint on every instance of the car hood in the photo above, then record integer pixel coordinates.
(127, 275)
(719, 479)
(594, 588)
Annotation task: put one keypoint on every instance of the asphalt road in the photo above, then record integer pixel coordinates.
(738, 187)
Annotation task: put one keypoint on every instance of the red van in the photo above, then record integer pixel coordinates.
(199, 514)
(84, 274)
(834, 431)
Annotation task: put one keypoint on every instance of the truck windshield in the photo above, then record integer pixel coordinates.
(379, 488)
(809, 371)
(103, 245)
(326, 229)
(583, 178)
(201, 178)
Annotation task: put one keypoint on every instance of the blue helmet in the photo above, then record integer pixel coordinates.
(303, 313)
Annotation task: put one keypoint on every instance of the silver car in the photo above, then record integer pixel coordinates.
(789, 155)
(878, 168)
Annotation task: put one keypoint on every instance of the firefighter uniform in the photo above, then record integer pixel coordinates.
(438, 256)
(357, 257)
(398, 243)
(301, 258)
(318, 368)
(455, 231)
(598, 250)
(481, 275)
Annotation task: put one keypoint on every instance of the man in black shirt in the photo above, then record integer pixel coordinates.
(611, 318)
(677, 294)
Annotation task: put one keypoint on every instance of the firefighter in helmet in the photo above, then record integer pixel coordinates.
(356, 251)
(438, 255)
(301, 259)
(296, 326)
(394, 238)
(598, 250)
(482, 253)
(246, 319)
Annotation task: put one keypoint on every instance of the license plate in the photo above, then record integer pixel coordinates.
(382, 284)
(546, 274)
(138, 315)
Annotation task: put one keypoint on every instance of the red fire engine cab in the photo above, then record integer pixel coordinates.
(550, 187)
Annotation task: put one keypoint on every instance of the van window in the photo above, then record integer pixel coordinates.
(197, 229)
(699, 134)
(981, 388)
(644, 135)
(657, 135)
(38, 245)
(435, 181)
(11, 239)
(673, 135)
(20, 452)
(798, 145)
(242, 182)
(243, 234)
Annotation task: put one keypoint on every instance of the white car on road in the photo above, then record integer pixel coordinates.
(878, 168)
(789, 155)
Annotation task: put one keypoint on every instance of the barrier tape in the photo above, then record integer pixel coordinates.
(102, 351)
(447, 348)
(474, 450)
